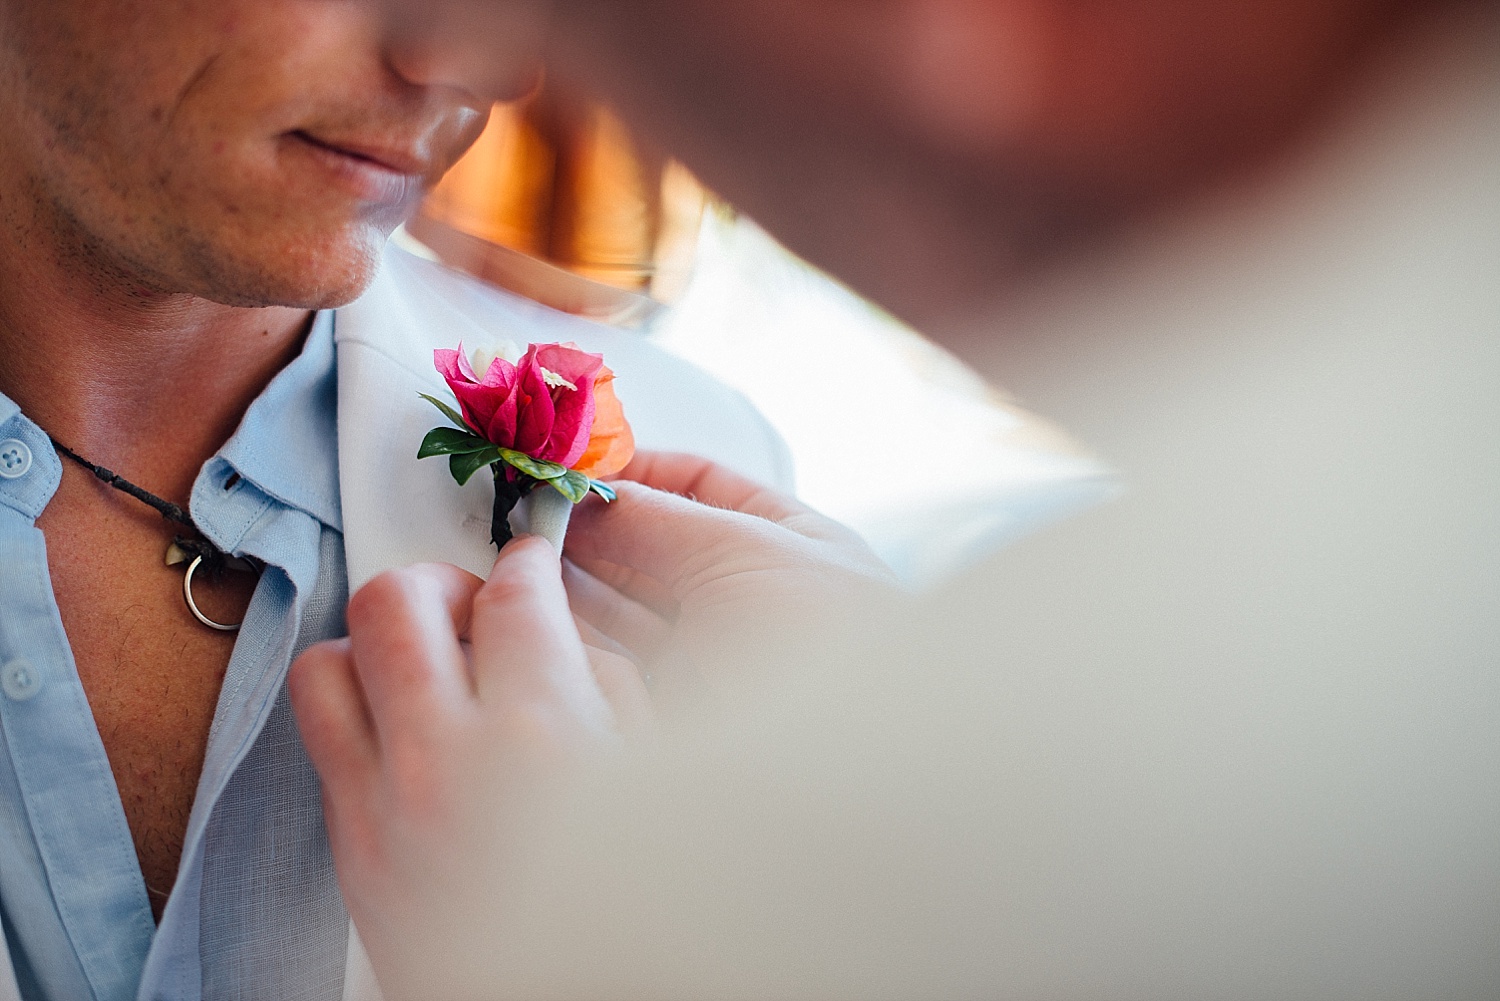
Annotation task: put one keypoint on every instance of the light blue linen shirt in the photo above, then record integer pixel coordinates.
(255, 912)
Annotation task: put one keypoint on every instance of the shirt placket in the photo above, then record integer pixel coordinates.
(57, 757)
(236, 516)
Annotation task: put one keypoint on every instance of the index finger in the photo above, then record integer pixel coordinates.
(404, 629)
(713, 485)
(673, 540)
(707, 482)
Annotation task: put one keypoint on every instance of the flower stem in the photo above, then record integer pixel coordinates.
(508, 493)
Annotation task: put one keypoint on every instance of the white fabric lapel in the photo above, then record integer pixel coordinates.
(398, 510)
(359, 975)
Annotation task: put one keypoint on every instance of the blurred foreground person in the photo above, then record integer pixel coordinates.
(195, 292)
(1235, 735)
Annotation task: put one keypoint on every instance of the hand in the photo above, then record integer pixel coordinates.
(430, 754)
(691, 554)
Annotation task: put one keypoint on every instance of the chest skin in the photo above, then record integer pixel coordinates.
(152, 672)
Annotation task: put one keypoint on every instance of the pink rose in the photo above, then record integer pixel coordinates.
(542, 406)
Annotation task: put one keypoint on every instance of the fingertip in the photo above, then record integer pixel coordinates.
(319, 657)
(330, 709)
(522, 556)
(393, 592)
(524, 542)
(406, 626)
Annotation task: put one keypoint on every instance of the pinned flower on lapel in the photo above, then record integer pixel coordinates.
(549, 418)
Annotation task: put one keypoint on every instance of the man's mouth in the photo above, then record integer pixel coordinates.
(379, 174)
(396, 160)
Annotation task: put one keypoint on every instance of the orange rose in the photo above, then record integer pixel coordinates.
(611, 442)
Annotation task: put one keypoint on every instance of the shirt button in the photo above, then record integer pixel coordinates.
(20, 681)
(15, 458)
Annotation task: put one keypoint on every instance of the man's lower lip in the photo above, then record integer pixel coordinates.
(371, 182)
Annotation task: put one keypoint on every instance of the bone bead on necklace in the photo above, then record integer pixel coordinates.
(196, 551)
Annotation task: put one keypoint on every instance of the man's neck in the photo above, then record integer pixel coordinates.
(149, 383)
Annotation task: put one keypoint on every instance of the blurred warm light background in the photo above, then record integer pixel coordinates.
(559, 190)
(559, 204)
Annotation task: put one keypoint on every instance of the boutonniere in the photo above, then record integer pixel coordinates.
(546, 419)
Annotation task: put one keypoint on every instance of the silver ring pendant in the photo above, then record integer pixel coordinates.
(187, 594)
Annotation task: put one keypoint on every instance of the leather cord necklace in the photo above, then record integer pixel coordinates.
(194, 550)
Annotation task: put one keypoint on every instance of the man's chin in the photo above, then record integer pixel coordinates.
(306, 278)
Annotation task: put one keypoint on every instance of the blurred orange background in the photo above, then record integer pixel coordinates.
(557, 202)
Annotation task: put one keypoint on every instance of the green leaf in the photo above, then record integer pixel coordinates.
(572, 485)
(603, 490)
(450, 441)
(535, 468)
(448, 412)
(464, 466)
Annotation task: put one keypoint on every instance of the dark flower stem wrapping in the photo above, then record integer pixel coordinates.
(510, 487)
